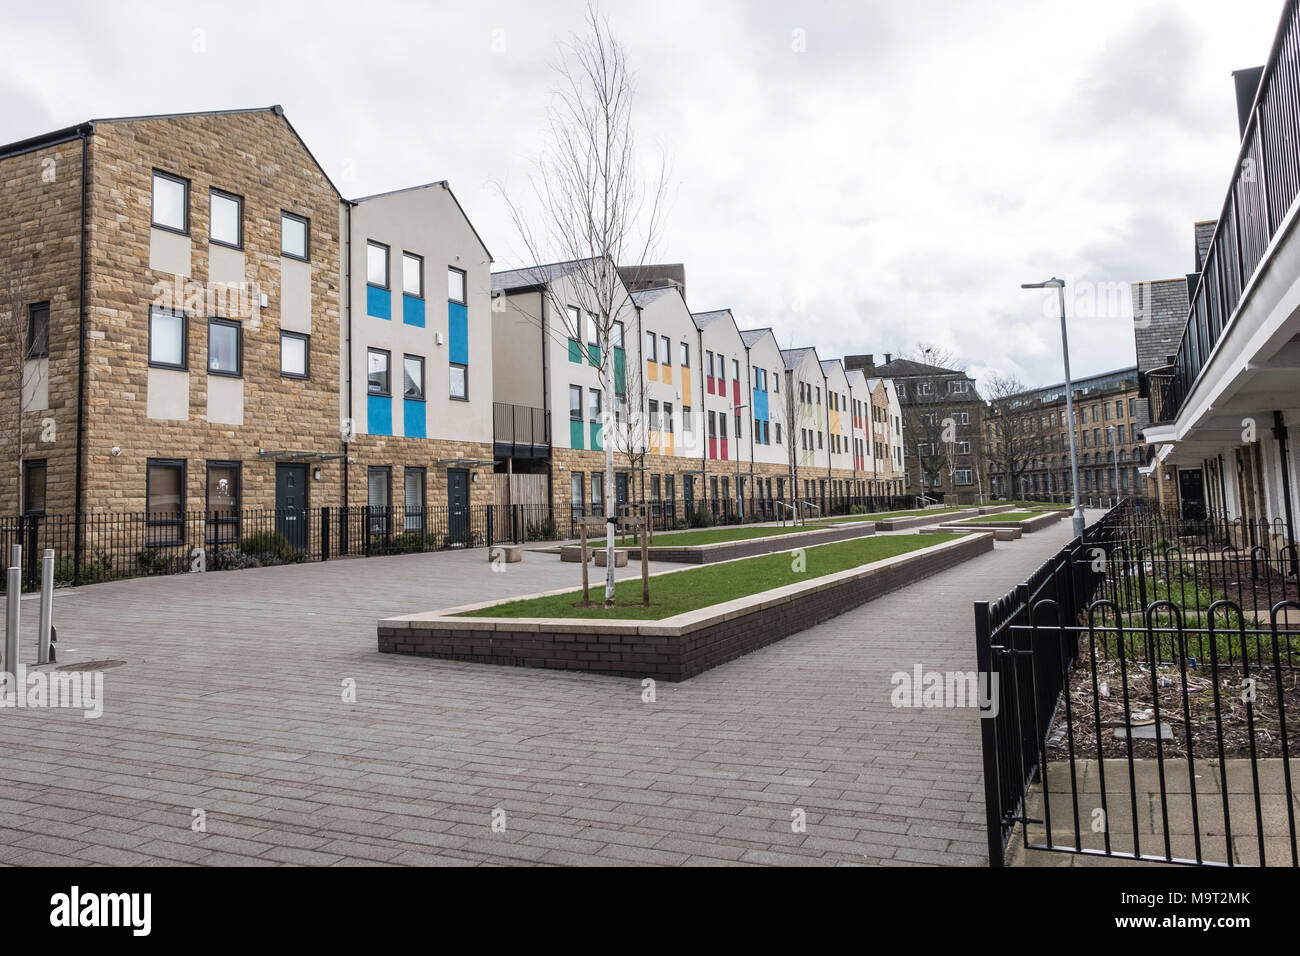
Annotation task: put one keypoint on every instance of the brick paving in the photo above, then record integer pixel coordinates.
(230, 701)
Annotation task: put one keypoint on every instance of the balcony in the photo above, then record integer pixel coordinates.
(1265, 183)
(520, 431)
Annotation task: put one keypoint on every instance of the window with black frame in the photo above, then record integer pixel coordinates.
(379, 495)
(413, 499)
(34, 473)
(164, 502)
(223, 502)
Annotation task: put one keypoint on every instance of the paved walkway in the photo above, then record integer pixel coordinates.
(230, 701)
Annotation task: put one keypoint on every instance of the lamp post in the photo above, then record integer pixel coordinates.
(1059, 286)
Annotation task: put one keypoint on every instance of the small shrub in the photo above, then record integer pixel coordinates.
(701, 517)
(544, 530)
(269, 548)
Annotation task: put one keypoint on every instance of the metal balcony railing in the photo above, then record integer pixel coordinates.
(1264, 184)
(520, 426)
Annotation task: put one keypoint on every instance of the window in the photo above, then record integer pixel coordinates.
(668, 417)
(922, 388)
(577, 492)
(294, 354)
(713, 424)
(686, 355)
(459, 381)
(413, 378)
(34, 487)
(377, 265)
(708, 361)
(413, 499)
(1120, 435)
(958, 387)
(166, 339)
(616, 331)
(456, 286)
(379, 495)
(778, 432)
(38, 330)
(575, 403)
(962, 447)
(223, 502)
(1119, 409)
(962, 418)
(164, 502)
(224, 341)
(652, 413)
(575, 322)
(225, 219)
(593, 406)
(597, 492)
(820, 444)
(171, 202)
(651, 354)
(593, 331)
(819, 394)
(666, 352)
(293, 236)
(687, 424)
(377, 381)
(412, 275)
(735, 370)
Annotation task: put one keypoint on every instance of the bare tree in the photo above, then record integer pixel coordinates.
(21, 375)
(591, 209)
(1018, 440)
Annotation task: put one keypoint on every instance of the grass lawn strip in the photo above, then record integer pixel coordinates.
(675, 539)
(1005, 516)
(886, 515)
(678, 592)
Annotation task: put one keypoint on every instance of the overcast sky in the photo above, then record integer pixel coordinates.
(858, 175)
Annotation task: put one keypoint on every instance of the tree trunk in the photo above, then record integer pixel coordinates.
(607, 386)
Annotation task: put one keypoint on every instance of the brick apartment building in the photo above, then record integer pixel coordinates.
(1028, 448)
(180, 277)
(931, 396)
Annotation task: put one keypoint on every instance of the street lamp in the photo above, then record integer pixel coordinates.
(1059, 286)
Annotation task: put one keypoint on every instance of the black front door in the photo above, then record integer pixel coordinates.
(291, 504)
(620, 491)
(457, 504)
(1191, 494)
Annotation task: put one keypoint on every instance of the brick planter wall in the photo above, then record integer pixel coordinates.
(675, 648)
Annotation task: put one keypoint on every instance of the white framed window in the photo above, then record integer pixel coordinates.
(167, 339)
(377, 265)
(456, 285)
(225, 219)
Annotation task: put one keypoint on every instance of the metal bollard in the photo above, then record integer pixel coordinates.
(47, 606)
(16, 556)
(13, 600)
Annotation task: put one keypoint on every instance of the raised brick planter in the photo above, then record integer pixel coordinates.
(920, 521)
(1026, 526)
(674, 648)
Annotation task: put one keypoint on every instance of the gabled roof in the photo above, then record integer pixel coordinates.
(441, 183)
(828, 365)
(643, 297)
(901, 368)
(534, 277)
(704, 319)
(794, 356)
(88, 128)
(750, 336)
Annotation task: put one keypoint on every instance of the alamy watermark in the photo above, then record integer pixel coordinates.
(71, 690)
(922, 688)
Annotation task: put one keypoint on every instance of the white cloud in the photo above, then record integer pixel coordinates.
(900, 178)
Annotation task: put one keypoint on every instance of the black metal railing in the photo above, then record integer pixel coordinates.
(1126, 654)
(1265, 183)
(114, 546)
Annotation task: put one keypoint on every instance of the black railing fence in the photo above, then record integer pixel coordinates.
(127, 545)
(1264, 184)
(138, 544)
(1143, 653)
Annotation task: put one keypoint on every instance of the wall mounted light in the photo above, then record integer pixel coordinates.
(117, 450)
(437, 338)
(316, 473)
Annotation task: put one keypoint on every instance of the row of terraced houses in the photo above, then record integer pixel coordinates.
(203, 323)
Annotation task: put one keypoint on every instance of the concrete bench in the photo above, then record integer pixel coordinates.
(620, 558)
(509, 553)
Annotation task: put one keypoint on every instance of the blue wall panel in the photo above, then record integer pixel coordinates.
(413, 418)
(379, 303)
(458, 332)
(413, 311)
(379, 415)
